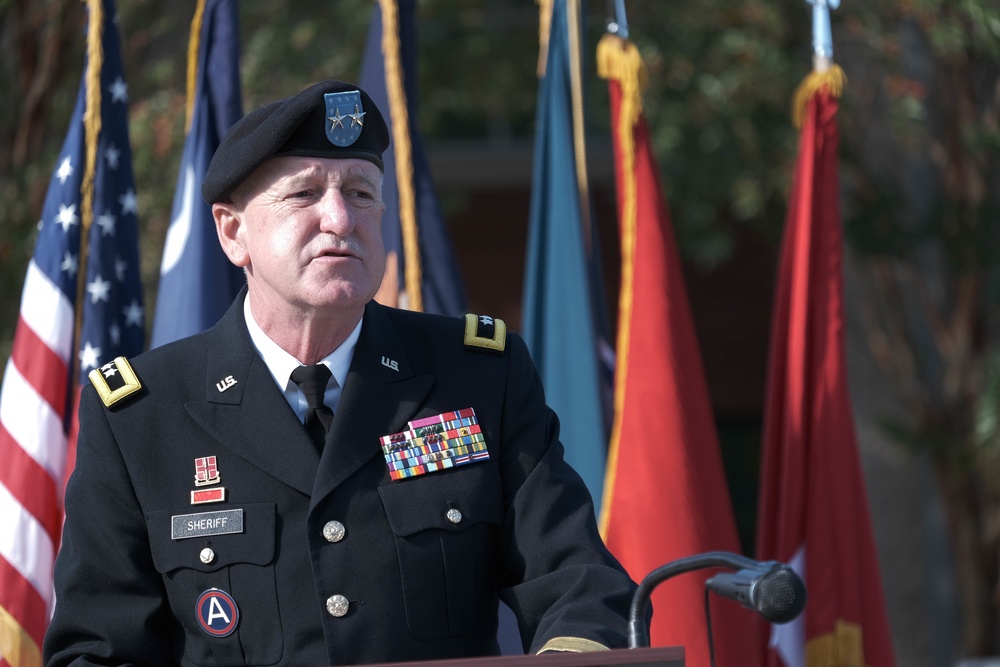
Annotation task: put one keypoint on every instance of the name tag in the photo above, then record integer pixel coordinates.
(224, 522)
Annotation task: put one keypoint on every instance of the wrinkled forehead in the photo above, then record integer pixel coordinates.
(282, 171)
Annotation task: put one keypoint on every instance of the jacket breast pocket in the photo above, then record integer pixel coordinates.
(445, 528)
(194, 554)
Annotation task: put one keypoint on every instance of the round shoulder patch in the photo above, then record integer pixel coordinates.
(217, 612)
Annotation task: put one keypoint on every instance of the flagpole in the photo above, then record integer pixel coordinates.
(826, 73)
(618, 23)
(92, 131)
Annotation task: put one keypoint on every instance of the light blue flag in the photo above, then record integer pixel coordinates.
(564, 313)
(197, 281)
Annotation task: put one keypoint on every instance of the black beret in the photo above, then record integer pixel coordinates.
(332, 119)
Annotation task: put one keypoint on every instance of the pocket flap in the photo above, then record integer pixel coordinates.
(451, 500)
(172, 549)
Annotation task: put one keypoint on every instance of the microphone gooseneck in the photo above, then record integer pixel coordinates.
(638, 631)
(772, 589)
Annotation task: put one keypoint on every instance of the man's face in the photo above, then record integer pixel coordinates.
(309, 232)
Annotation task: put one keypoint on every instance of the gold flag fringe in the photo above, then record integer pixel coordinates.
(92, 131)
(619, 60)
(832, 79)
(403, 153)
(194, 46)
(16, 647)
(579, 140)
(544, 27)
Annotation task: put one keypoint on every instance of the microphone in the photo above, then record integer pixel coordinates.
(776, 593)
(771, 589)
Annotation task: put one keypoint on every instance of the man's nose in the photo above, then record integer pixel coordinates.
(335, 214)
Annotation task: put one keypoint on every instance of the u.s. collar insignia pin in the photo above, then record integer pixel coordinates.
(344, 117)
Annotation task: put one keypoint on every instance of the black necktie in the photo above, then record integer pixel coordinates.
(312, 380)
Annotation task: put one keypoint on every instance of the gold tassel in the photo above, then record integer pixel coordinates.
(92, 132)
(16, 647)
(194, 45)
(403, 153)
(832, 79)
(619, 60)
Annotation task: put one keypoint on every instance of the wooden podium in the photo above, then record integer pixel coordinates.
(672, 656)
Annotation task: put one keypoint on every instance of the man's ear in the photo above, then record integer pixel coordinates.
(229, 226)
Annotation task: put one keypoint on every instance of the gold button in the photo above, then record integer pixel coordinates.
(334, 531)
(206, 555)
(337, 605)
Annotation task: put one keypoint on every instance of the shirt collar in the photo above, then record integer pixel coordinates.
(281, 364)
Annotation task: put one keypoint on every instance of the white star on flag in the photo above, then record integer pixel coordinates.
(67, 216)
(120, 266)
(129, 203)
(69, 264)
(119, 90)
(133, 314)
(89, 356)
(115, 334)
(64, 171)
(112, 154)
(99, 289)
(106, 222)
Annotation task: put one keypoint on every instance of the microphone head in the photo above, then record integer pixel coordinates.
(780, 595)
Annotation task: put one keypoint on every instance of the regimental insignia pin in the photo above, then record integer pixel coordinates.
(344, 117)
(114, 381)
(206, 471)
(217, 612)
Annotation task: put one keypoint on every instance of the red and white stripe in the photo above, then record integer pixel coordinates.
(33, 446)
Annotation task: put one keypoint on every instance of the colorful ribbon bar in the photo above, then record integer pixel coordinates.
(434, 443)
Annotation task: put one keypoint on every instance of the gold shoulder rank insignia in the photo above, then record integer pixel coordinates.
(114, 381)
(486, 332)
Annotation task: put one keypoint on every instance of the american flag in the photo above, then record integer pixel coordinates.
(80, 308)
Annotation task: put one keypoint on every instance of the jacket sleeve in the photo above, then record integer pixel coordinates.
(110, 608)
(567, 591)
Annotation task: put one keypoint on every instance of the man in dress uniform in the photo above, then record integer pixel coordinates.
(320, 479)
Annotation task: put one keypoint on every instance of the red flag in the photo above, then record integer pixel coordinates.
(665, 493)
(813, 509)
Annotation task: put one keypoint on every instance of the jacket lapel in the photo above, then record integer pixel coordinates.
(381, 394)
(250, 416)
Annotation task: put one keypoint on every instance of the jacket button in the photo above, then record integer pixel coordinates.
(453, 515)
(206, 555)
(334, 531)
(337, 605)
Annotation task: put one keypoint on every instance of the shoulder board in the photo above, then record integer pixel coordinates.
(485, 332)
(114, 381)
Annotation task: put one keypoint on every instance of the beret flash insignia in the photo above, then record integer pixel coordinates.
(114, 381)
(485, 332)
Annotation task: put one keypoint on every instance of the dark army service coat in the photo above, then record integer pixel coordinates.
(302, 559)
